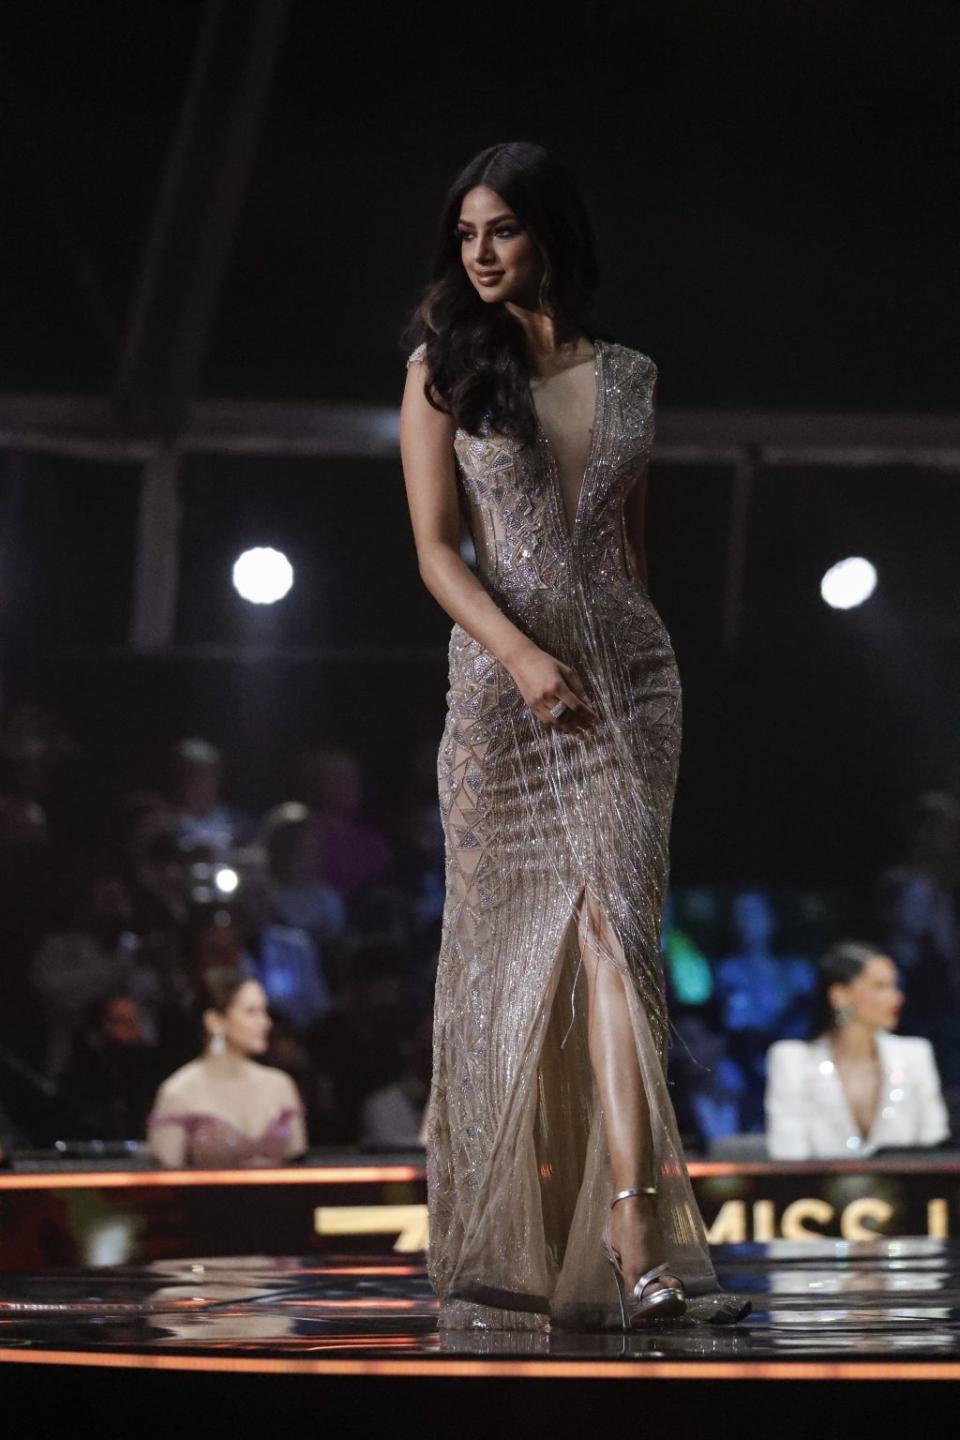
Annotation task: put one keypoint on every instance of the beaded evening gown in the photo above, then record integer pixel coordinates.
(518, 1179)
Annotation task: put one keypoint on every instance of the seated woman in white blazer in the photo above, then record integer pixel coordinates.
(854, 1088)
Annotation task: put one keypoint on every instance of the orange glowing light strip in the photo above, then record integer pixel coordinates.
(387, 1174)
(143, 1179)
(507, 1369)
(358, 1304)
(706, 1169)
(337, 1271)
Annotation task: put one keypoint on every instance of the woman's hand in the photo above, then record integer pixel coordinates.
(544, 682)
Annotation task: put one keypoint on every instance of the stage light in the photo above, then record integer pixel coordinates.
(263, 575)
(226, 880)
(848, 583)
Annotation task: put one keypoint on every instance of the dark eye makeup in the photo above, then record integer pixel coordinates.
(509, 230)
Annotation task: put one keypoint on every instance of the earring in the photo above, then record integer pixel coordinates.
(217, 1044)
(842, 1015)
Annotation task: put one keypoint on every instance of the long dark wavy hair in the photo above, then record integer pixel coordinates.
(842, 963)
(478, 365)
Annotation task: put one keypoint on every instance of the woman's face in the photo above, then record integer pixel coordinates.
(498, 254)
(246, 1023)
(873, 995)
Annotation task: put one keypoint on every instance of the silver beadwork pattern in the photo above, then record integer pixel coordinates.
(518, 1179)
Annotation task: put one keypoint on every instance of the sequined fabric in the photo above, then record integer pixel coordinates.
(517, 1169)
(211, 1142)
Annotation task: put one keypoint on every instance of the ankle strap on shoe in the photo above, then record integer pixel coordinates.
(626, 1194)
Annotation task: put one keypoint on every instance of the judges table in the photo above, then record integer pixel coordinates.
(120, 1212)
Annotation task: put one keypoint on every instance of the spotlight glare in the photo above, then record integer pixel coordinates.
(848, 583)
(226, 880)
(262, 575)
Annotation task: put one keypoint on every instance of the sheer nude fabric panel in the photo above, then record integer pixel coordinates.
(518, 1178)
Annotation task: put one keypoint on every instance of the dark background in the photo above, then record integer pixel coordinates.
(771, 189)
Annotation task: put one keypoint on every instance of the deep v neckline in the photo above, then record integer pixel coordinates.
(854, 1125)
(569, 529)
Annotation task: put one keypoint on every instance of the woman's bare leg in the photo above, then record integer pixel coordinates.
(633, 1228)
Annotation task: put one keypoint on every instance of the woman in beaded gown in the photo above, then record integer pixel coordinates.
(556, 771)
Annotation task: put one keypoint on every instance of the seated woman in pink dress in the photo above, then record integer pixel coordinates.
(224, 1108)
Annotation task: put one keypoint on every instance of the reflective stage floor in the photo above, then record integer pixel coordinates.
(268, 1342)
(831, 1309)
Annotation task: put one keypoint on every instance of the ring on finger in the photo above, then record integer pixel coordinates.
(559, 710)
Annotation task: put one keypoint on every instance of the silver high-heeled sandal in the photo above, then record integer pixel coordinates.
(668, 1302)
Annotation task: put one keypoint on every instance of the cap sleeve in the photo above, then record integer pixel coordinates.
(418, 354)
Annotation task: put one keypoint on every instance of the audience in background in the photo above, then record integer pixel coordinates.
(97, 953)
(224, 1109)
(709, 1085)
(344, 849)
(419, 869)
(296, 896)
(39, 762)
(140, 817)
(394, 1117)
(23, 821)
(328, 916)
(688, 972)
(284, 958)
(114, 1072)
(34, 750)
(357, 1047)
(214, 939)
(854, 1087)
(158, 880)
(287, 967)
(201, 818)
(921, 906)
(761, 994)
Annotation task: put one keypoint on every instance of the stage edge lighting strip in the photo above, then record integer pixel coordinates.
(131, 1179)
(506, 1369)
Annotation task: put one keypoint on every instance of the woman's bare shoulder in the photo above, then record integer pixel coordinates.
(280, 1081)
